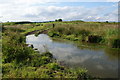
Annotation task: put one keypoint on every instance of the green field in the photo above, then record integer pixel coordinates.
(20, 61)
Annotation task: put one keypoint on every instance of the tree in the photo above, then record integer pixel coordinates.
(106, 21)
(58, 20)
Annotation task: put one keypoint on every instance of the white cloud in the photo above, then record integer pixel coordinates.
(111, 0)
(18, 10)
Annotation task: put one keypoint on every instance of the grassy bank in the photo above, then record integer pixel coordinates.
(21, 61)
(89, 32)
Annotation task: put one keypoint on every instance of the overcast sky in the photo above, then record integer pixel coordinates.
(49, 10)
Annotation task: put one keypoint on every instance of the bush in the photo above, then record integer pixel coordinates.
(14, 49)
(18, 53)
(53, 66)
(40, 59)
(6, 67)
(53, 34)
(116, 43)
(59, 20)
(48, 54)
(94, 39)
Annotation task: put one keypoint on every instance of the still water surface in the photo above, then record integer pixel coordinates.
(99, 62)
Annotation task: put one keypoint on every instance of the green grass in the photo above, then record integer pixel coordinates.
(102, 33)
(20, 61)
(98, 32)
(41, 72)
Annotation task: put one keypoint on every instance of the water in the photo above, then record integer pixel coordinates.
(101, 62)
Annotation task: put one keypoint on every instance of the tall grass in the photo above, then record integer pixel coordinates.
(20, 61)
(82, 31)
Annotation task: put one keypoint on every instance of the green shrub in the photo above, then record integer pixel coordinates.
(116, 43)
(17, 39)
(40, 59)
(53, 66)
(17, 53)
(6, 67)
(53, 34)
(14, 48)
(48, 54)
(94, 39)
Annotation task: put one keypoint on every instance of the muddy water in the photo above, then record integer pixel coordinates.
(101, 62)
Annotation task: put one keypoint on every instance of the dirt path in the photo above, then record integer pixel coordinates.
(39, 32)
(32, 32)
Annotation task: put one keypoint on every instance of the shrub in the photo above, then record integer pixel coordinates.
(40, 59)
(116, 43)
(53, 34)
(94, 39)
(48, 54)
(14, 49)
(53, 66)
(58, 20)
(17, 53)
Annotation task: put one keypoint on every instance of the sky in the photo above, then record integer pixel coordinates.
(67, 10)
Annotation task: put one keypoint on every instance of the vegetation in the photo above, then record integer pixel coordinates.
(21, 61)
(58, 20)
(89, 32)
